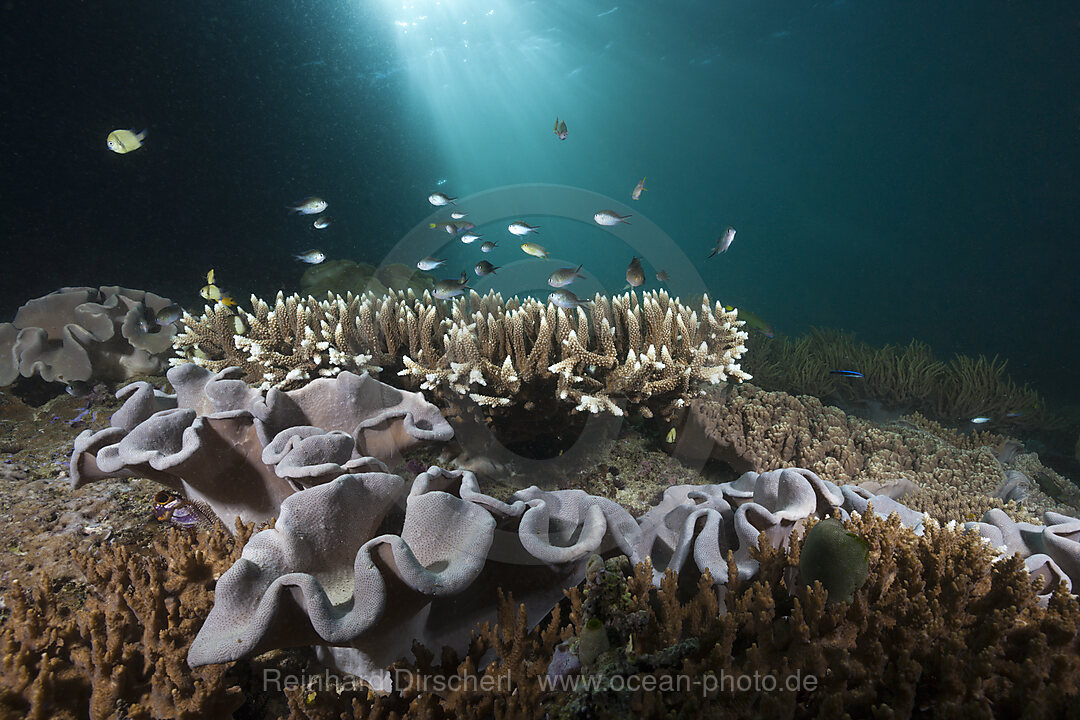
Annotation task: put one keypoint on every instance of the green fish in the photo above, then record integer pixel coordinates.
(753, 321)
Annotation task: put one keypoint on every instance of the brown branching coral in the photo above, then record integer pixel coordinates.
(901, 378)
(644, 351)
(939, 629)
(751, 429)
(121, 650)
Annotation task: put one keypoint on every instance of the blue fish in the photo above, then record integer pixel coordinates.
(847, 373)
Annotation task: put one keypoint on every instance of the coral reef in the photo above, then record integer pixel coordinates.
(430, 581)
(498, 353)
(82, 334)
(895, 379)
(939, 628)
(243, 451)
(1048, 481)
(957, 476)
(1051, 552)
(371, 596)
(120, 650)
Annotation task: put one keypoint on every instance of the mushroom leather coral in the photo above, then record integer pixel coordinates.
(84, 333)
(372, 595)
(243, 451)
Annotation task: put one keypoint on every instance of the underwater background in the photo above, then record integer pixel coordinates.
(900, 170)
(569, 497)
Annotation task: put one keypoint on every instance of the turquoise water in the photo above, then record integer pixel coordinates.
(900, 170)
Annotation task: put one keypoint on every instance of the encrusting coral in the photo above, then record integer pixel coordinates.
(956, 477)
(651, 351)
(86, 334)
(121, 652)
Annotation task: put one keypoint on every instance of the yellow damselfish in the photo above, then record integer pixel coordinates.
(124, 141)
(211, 291)
(534, 250)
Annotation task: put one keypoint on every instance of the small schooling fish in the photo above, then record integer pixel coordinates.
(564, 276)
(439, 199)
(560, 129)
(521, 228)
(78, 388)
(124, 141)
(471, 237)
(609, 218)
(457, 215)
(534, 250)
(446, 289)
(638, 189)
(311, 257)
(723, 242)
(483, 268)
(981, 420)
(662, 276)
(429, 263)
(309, 206)
(847, 373)
(322, 222)
(635, 275)
(486, 246)
(565, 299)
(169, 314)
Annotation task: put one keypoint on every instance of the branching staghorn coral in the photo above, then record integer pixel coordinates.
(121, 652)
(622, 350)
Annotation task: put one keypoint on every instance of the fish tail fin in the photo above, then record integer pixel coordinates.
(141, 136)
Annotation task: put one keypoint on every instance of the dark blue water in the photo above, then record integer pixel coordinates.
(902, 170)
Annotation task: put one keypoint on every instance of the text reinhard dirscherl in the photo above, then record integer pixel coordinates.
(708, 684)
